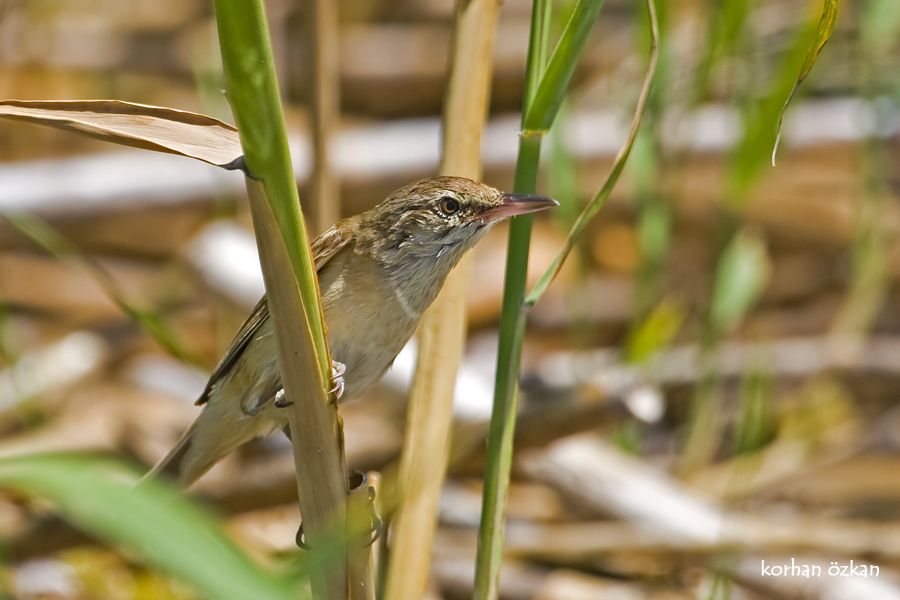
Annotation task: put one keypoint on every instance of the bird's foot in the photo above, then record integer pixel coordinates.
(376, 525)
(281, 400)
(337, 386)
(337, 380)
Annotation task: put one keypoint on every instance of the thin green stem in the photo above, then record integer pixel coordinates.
(542, 100)
(503, 415)
(545, 84)
(512, 329)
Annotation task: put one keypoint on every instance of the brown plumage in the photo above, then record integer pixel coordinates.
(378, 272)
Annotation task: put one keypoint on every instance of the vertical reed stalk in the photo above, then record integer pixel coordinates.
(325, 109)
(442, 331)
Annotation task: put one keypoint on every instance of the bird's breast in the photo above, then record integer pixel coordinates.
(368, 319)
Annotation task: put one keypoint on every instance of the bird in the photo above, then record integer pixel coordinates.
(378, 271)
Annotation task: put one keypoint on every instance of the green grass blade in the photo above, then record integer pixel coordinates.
(155, 522)
(542, 108)
(823, 34)
(760, 121)
(646, 171)
(599, 199)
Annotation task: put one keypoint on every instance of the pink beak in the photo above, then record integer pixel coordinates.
(518, 204)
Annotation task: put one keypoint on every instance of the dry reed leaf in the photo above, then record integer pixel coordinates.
(138, 125)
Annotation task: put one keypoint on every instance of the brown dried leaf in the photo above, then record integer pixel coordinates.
(138, 125)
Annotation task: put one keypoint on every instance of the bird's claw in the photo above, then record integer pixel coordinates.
(337, 386)
(281, 400)
(337, 379)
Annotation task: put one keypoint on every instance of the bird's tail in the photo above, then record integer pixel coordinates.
(215, 432)
(179, 465)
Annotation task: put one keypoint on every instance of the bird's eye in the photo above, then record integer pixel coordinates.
(449, 205)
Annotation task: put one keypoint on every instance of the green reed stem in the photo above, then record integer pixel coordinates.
(294, 303)
(544, 90)
(253, 93)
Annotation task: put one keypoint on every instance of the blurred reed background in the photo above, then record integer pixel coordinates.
(711, 383)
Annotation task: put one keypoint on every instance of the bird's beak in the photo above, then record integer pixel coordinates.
(518, 204)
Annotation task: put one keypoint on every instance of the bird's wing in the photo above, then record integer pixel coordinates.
(324, 248)
(331, 242)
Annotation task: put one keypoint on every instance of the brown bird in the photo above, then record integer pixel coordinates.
(378, 272)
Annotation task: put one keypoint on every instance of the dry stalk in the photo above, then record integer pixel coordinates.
(442, 331)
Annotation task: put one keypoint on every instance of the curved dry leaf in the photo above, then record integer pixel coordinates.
(138, 125)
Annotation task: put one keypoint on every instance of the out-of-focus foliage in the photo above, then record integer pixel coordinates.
(151, 520)
(761, 118)
(822, 35)
(151, 321)
(594, 205)
(656, 331)
(740, 278)
(724, 350)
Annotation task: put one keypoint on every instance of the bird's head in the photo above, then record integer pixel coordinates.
(438, 219)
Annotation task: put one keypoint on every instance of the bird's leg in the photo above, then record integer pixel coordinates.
(337, 386)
